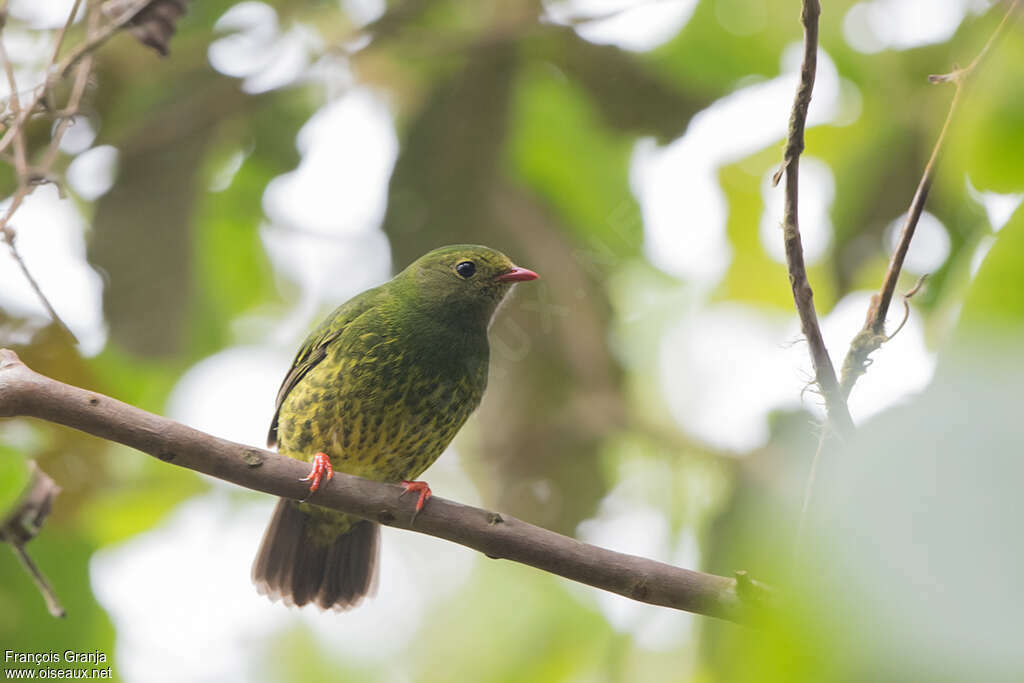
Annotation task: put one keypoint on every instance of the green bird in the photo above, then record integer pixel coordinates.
(378, 390)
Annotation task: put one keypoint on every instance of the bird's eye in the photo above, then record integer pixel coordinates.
(466, 269)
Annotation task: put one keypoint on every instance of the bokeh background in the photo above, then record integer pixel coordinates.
(647, 395)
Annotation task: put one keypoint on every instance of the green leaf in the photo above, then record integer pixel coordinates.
(562, 148)
(232, 268)
(995, 301)
(988, 137)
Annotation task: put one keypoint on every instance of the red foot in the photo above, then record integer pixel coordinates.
(417, 486)
(321, 467)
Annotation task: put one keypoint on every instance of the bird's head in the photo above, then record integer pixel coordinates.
(464, 278)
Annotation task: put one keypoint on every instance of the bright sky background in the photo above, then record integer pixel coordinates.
(326, 237)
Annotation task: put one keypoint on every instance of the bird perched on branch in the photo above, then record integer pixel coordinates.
(378, 390)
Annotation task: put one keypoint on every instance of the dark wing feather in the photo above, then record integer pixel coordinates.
(311, 353)
(316, 345)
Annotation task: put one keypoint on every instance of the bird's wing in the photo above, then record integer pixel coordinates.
(315, 348)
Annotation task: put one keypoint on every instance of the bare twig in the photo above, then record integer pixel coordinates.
(97, 38)
(812, 472)
(873, 335)
(24, 523)
(28, 176)
(18, 134)
(53, 605)
(812, 475)
(26, 393)
(25, 187)
(907, 296)
(62, 33)
(8, 236)
(67, 115)
(803, 296)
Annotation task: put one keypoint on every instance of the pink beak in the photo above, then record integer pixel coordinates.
(517, 274)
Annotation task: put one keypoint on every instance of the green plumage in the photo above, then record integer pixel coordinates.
(382, 386)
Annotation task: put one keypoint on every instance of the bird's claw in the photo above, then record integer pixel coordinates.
(321, 468)
(423, 489)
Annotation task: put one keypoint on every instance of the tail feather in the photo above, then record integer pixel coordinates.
(293, 567)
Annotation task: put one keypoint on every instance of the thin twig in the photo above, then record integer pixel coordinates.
(81, 51)
(812, 475)
(62, 33)
(24, 522)
(67, 115)
(28, 177)
(18, 133)
(49, 595)
(8, 236)
(907, 296)
(24, 188)
(873, 335)
(803, 296)
(99, 37)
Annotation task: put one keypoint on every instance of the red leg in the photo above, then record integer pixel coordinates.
(423, 488)
(321, 467)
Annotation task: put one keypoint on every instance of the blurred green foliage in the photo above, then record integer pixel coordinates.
(517, 133)
(14, 477)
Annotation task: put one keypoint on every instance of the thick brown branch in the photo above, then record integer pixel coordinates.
(873, 335)
(803, 296)
(27, 393)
